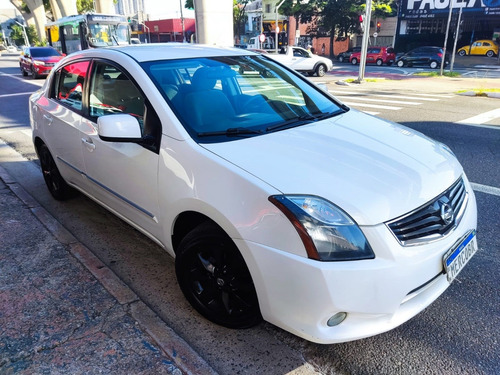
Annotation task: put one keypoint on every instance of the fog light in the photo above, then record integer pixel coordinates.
(336, 319)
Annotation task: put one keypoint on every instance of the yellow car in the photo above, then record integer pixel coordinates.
(480, 47)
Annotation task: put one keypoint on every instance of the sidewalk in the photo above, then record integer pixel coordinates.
(63, 312)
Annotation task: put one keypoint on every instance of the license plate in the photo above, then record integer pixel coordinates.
(457, 257)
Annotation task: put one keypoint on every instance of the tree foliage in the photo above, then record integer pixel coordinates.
(302, 10)
(17, 35)
(84, 6)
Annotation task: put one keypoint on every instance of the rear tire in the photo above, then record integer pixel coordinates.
(320, 70)
(490, 53)
(433, 64)
(400, 63)
(379, 62)
(214, 278)
(58, 188)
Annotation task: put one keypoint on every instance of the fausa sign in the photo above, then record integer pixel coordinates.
(432, 8)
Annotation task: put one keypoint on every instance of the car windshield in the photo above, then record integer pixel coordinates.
(44, 52)
(220, 99)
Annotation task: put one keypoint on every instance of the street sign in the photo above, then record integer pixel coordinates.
(375, 34)
(262, 38)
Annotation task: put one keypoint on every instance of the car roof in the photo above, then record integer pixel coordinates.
(166, 51)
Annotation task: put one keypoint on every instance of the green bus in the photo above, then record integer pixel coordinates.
(83, 31)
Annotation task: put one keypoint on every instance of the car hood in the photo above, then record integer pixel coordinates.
(372, 169)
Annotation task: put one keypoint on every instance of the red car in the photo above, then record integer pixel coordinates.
(38, 61)
(375, 55)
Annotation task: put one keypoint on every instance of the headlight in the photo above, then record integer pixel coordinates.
(327, 232)
(37, 62)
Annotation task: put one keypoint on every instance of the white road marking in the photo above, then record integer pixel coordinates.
(378, 100)
(372, 106)
(481, 118)
(486, 189)
(408, 97)
(16, 94)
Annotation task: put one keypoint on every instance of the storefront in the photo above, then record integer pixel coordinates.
(423, 22)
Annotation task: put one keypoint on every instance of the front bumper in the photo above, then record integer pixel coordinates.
(300, 295)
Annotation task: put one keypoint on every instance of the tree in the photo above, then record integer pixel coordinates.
(84, 6)
(337, 18)
(239, 16)
(302, 10)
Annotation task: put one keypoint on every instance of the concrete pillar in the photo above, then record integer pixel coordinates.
(214, 22)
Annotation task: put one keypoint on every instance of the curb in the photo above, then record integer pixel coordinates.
(173, 346)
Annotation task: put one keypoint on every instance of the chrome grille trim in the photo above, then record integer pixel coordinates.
(425, 224)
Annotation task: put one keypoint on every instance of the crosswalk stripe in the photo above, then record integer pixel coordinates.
(372, 106)
(436, 95)
(481, 118)
(378, 100)
(407, 97)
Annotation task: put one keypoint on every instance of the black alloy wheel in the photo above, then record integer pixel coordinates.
(214, 278)
(59, 189)
(34, 75)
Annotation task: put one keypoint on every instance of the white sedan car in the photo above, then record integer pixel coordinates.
(276, 200)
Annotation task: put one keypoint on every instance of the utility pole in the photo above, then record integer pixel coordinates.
(455, 41)
(364, 43)
(276, 28)
(446, 37)
(182, 23)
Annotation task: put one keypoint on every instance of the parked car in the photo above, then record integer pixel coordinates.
(12, 49)
(38, 61)
(344, 56)
(480, 47)
(276, 200)
(375, 55)
(423, 56)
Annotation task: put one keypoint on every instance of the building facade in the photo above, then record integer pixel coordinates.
(423, 22)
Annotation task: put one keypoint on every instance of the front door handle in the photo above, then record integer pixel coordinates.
(89, 144)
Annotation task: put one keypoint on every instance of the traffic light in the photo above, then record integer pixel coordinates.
(378, 27)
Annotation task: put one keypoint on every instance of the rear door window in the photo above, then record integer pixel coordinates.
(69, 85)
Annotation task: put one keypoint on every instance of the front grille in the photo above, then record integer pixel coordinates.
(433, 220)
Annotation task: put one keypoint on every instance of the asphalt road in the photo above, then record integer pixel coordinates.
(458, 334)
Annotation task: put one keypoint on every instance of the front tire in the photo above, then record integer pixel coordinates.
(400, 63)
(34, 75)
(462, 53)
(214, 278)
(58, 188)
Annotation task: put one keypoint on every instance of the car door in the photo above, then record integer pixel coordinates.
(122, 175)
(301, 59)
(61, 116)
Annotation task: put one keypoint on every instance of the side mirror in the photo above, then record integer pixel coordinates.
(119, 128)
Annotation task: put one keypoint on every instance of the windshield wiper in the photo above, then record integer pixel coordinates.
(304, 119)
(231, 132)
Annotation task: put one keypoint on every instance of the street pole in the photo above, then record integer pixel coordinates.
(182, 23)
(26, 40)
(364, 43)
(455, 41)
(446, 37)
(276, 28)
